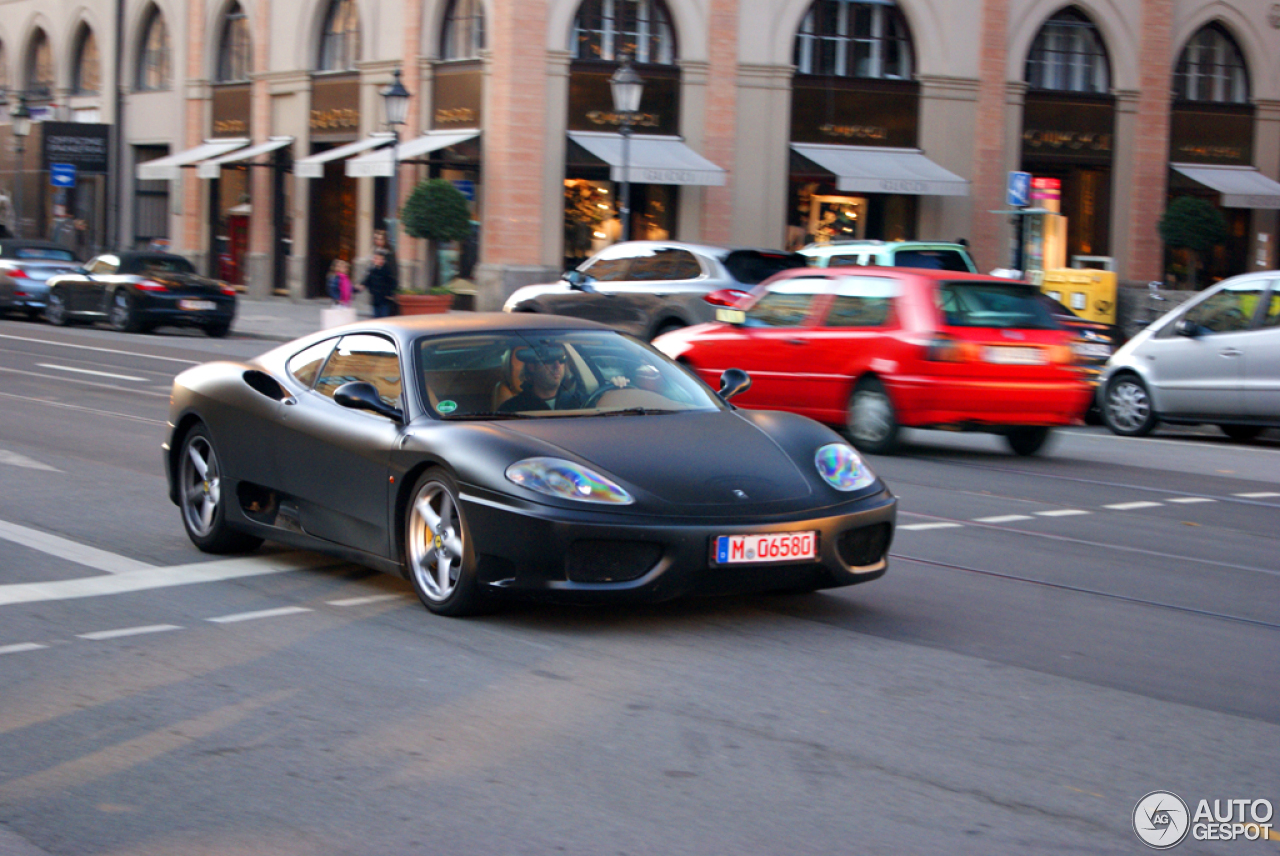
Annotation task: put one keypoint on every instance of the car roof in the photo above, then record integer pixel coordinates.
(706, 249)
(7, 244)
(872, 244)
(896, 273)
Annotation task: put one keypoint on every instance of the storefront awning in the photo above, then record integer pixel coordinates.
(212, 168)
(170, 166)
(313, 166)
(650, 160)
(1240, 186)
(869, 169)
(378, 163)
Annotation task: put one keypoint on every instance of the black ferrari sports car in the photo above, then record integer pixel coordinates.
(482, 454)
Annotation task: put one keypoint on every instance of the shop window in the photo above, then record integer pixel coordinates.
(88, 67)
(340, 41)
(154, 59)
(463, 36)
(1211, 68)
(1067, 56)
(39, 70)
(610, 29)
(842, 39)
(233, 47)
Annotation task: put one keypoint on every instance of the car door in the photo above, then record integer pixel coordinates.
(1201, 371)
(1262, 362)
(333, 460)
(85, 293)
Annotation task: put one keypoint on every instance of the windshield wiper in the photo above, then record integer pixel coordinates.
(636, 411)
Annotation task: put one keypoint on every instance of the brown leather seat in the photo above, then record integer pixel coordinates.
(510, 385)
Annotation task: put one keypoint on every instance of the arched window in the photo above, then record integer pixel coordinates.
(88, 67)
(463, 30)
(1211, 68)
(340, 41)
(608, 29)
(233, 48)
(39, 70)
(842, 39)
(153, 59)
(1068, 56)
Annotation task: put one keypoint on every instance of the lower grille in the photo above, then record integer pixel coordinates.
(610, 561)
(859, 548)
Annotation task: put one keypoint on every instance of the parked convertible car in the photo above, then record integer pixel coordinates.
(383, 442)
(25, 267)
(137, 291)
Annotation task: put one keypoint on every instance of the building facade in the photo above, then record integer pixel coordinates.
(249, 135)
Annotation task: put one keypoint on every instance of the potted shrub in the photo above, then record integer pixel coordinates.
(435, 211)
(1195, 225)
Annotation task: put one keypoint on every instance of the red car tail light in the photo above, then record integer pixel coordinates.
(727, 297)
(226, 289)
(945, 349)
(151, 285)
(16, 273)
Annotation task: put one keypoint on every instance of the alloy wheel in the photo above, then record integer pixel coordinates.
(1128, 406)
(201, 485)
(435, 541)
(871, 417)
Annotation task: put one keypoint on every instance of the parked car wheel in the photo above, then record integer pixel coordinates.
(204, 513)
(218, 331)
(1028, 440)
(871, 420)
(123, 315)
(1241, 433)
(1127, 406)
(438, 550)
(56, 309)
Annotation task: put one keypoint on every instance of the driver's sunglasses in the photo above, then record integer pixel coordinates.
(553, 361)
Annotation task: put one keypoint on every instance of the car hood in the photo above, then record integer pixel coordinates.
(680, 459)
(529, 292)
(186, 283)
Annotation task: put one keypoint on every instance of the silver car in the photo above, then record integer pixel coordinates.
(647, 288)
(1214, 359)
(25, 267)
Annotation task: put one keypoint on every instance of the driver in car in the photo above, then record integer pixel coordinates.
(546, 384)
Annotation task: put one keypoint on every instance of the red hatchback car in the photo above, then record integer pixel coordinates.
(877, 349)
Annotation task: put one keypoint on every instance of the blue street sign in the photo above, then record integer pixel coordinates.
(1019, 191)
(62, 174)
(466, 187)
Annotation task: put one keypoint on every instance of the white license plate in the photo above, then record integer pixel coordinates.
(1092, 350)
(1015, 355)
(769, 547)
(197, 305)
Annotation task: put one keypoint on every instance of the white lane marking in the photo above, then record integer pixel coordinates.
(361, 601)
(18, 649)
(127, 631)
(262, 613)
(1264, 494)
(1128, 506)
(918, 526)
(72, 551)
(1003, 518)
(85, 382)
(13, 459)
(1062, 512)
(1187, 500)
(89, 372)
(181, 575)
(85, 409)
(79, 347)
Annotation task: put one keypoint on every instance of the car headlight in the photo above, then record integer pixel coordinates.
(567, 480)
(842, 468)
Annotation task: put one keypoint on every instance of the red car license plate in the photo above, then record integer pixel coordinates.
(768, 547)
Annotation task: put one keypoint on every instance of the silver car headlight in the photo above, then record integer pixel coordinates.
(567, 480)
(842, 468)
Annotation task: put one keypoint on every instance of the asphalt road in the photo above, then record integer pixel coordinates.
(1055, 638)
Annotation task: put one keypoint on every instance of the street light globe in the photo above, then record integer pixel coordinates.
(627, 88)
(395, 100)
(21, 118)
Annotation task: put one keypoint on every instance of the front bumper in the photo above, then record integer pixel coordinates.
(600, 557)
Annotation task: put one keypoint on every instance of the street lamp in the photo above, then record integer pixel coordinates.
(395, 102)
(627, 88)
(21, 119)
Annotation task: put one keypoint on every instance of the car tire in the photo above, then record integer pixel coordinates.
(1126, 406)
(200, 496)
(871, 420)
(123, 314)
(33, 314)
(667, 327)
(55, 310)
(218, 331)
(1027, 440)
(438, 553)
(1241, 433)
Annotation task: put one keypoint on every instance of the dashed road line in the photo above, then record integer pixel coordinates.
(1062, 512)
(1187, 500)
(19, 648)
(1129, 506)
(1263, 494)
(99, 635)
(1003, 518)
(919, 526)
(90, 372)
(262, 613)
(361, 601)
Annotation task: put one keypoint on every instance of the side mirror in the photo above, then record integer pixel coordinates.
(1186, 327)
(574, 277)
(734, 382)
(362, 395)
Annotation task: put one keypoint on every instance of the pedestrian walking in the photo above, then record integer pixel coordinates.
(338, 282)
(381, 282)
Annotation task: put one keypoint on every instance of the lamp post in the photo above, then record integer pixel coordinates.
(627, 88)
(395, 102)
(21, 119)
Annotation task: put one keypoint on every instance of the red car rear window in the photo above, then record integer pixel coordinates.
(993, 304)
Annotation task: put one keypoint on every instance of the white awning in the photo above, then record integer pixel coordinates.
(379, 163)
(212, 168)
(870, 169)
(1240, 186)
(313, 166)
(650, 160)
(170, 166)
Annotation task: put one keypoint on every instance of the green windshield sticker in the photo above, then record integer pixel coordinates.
(447, 406)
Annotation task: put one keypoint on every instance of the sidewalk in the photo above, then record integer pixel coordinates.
(281, 319)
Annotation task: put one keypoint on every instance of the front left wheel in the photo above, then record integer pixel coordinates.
(123, 315)
(200, 496)
(1026, 440)
(438, 552)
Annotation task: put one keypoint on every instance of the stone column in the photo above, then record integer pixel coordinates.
(948, 127)
(1266, 157)
(1123, 152)
(720, 129)
(258, 280)
(188, 204)
(764, 140)
(989, 233)
(1147, 182)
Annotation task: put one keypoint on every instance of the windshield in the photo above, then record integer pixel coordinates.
(993, 304)
(547, 373)
(163, 264)
(49, 253)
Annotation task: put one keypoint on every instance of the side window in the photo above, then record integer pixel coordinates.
(104, 266)
(1228, 311)
(863, 302)
(786, 304)
(305, 365)
(610, 270)
(665, 264)
(1272, 318)
(365, 357)
(843, 261)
